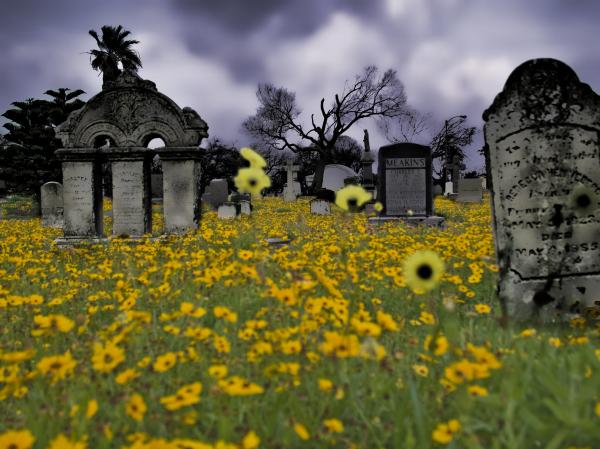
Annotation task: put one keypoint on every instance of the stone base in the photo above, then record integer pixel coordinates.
(452, 196)
(65, 242)
(432, 220)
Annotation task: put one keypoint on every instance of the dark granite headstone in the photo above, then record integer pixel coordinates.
(405, 182)
(216, 193)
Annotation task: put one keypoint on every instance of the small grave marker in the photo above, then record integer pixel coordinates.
(470, 191)
(52, 205)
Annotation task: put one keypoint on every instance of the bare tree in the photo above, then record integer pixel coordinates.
(449, 142)
(277, 120)
(404, 128)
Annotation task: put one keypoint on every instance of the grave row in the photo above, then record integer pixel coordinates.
(543, 161)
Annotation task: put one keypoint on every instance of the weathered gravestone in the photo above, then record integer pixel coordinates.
(543, 147)
(334, 176)
(132, 196)
(228, 210)
(470, 191)
(82, 195)
(449, 188)
(52, 204)
(216, 193)
(292, 188)
(320, 207)
(405, 184)
(244, 201)
(437, 190)
(181, 189)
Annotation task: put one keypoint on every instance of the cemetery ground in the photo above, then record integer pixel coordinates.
(218, 340)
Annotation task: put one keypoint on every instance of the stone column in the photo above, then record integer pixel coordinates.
(455, 173)
(181, 188)
(82, 194)
(366, 162)
(132, 198)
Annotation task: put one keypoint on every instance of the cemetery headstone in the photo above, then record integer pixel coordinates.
(244, 201)
(405, 184)
(470, 191)
(181, 189)
(292, 189)
(52, 205)
(82, 195)
(131, 194)
(334, 176)
(542, 134)
(437, 190)
(216, 193)
(449, 188)
(245, 207)
(320, 207)
(228, 210)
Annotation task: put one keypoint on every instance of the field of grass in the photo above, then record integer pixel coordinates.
(218, 340)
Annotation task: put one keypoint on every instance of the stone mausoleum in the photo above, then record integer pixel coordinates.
(128, 113)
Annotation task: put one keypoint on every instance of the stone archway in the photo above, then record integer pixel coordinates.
(129, 112)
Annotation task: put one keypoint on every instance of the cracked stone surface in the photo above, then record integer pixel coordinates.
(543, 158)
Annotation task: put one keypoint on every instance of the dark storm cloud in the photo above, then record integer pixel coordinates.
(298, 17)
(230, 28)
(452, 55)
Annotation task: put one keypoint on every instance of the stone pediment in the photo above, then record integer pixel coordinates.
(131, 112)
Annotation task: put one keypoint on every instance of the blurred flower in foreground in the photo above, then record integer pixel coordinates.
(18, 439)
(352, 198)
(423, 270)
(583, 201)
(255, 159)
(444, 432)
(251, 180)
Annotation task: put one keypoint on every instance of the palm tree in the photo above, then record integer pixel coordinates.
(63, 103)
(113, 48)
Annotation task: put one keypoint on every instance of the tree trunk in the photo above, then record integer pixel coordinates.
(324, 159)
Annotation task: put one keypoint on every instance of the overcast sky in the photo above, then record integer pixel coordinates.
(453, 56)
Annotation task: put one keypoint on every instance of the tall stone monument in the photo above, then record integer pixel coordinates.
(130, 112)
(292, 188)
(366, 163)
(542, 136)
